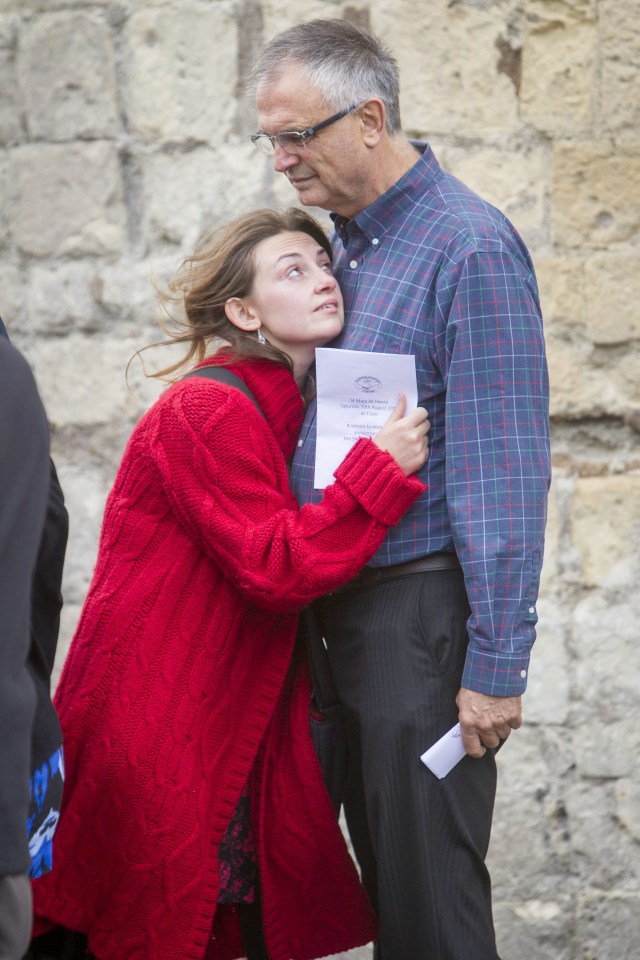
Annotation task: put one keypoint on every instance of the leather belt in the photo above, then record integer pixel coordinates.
(371, 575)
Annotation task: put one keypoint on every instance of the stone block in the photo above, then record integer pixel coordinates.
(534, 928)
(549, 576)
(12, 297)
(93, 371)
(577, 387)
(605, 857)
(548, 689)
(181, 68)
(514, 179)
(628, 805)
(6, 200)
(11, 127)
(559, 62)
(562, 293)
(596, 195)
(612, 295)
(67, 74)
(619, 90)
(606, 669)
(529, 842)
(608, 925)
(69, 199)
(604, 507)
(187, 194)
(61, 299)
(443, 88)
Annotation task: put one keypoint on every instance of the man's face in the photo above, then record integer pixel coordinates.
(329, 170)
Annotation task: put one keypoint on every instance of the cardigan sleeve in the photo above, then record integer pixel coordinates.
(226, 479)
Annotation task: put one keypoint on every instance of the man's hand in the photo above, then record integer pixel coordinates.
(486, 721)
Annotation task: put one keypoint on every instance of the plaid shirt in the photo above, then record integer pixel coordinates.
(430, 269)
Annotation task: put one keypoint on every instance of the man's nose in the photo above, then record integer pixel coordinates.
(284, 159)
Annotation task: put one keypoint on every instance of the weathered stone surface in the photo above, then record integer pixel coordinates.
(603, 507)
(596, 195)
(605, 859)
(69, 199)
(628, 805)
(514, 180)
(559, 62)
(181, 72)
(12, 296)
(67, 74)
(60, 298)
(187, 194)
(100, 394)
(578, 388)
(619, 93)
(534, 928)
(608, 925)
(6, 200)
(612, 294)
(606, 666)
(562, 293)
(481, 94)
(10, 100)
(548, 688)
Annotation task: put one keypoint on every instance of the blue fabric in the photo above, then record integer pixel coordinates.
(431, 269)
(44, 812)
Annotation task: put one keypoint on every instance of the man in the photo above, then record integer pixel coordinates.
(24, 482)
(440, 627)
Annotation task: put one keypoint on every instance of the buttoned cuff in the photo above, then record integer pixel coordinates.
(497, 675)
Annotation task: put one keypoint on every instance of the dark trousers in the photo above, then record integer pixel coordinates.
(15, 916)
(397, 651)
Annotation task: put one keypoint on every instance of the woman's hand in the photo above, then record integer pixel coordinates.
(405, 437)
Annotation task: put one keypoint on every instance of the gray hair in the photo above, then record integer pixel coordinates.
(345, 63)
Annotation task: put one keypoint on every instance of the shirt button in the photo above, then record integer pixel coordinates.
(523, 674)
(353, 264)
(300, 442)
(532, 609)
(375, 241)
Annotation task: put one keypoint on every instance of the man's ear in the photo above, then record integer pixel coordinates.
(241, 314)
(372, 115)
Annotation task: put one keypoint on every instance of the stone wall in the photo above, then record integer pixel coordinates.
(123, 137)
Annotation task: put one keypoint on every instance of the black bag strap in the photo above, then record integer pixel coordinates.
(324, 690)
(224, 375)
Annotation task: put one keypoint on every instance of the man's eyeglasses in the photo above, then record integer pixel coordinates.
(292, 140)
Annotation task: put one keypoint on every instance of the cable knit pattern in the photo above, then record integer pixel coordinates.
(179, 682)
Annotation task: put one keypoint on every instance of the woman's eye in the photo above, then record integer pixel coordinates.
(294, 271)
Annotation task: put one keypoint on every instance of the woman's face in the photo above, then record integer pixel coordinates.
(295, 296)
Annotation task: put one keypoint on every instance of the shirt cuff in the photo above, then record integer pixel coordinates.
(497, 675)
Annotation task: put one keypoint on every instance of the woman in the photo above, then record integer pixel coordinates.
(192, 788)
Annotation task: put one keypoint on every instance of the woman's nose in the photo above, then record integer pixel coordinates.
(326, 280)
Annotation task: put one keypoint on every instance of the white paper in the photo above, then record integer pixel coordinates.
(445, 753)
(356, 392)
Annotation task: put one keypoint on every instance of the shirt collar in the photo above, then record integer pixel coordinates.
(374, 220)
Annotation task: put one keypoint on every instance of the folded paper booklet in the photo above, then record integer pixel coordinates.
(445, 753)
(356, 392)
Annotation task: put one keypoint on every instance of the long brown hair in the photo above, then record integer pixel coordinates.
(223, 266)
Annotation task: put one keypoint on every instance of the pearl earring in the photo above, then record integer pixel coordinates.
(261, 337)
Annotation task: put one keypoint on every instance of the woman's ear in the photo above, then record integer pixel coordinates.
(241, 314)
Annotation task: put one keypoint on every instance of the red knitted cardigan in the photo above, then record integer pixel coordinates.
(182, 679)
